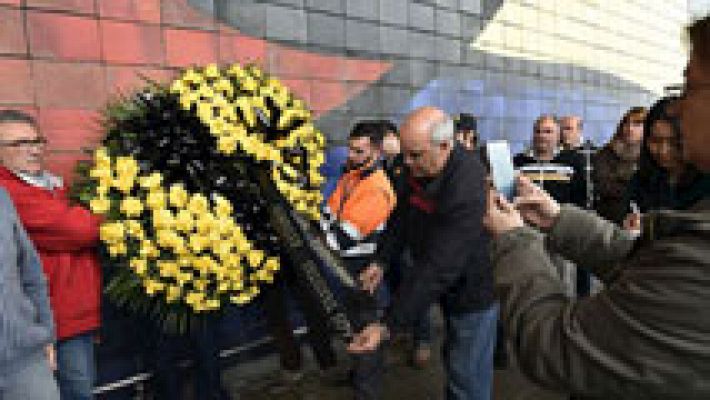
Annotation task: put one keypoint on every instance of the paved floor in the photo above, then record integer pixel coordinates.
(401, 382)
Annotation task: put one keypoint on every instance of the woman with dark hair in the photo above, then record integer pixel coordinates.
(663, 180)
(615, 164)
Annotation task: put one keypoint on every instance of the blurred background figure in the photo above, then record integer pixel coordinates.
(571, 132)
(335, 157)
(466, 133)
(615, 164)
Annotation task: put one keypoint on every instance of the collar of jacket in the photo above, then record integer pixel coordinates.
(45, 181)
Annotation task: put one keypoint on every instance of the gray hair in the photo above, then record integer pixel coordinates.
(443, 131)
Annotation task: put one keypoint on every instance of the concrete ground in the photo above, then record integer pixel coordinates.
(262, 380)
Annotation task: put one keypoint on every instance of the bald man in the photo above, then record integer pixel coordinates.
(571, 132)
(439, 217)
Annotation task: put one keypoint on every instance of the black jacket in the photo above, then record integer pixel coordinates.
(442, 225)
(574, 191)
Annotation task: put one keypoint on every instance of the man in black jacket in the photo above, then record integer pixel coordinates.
(439, 217)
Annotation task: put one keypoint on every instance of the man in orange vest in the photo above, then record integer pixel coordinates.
(353, 221)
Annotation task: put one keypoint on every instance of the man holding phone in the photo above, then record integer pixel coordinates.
(645, 335)
(439, 217)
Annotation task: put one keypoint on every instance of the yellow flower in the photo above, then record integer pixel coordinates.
(248, 84)
(131, 206)
(205, 223)
(165, 238)
(223, 287)
(200, 284)
(204, 112)
(254, 258)
(168, 268)
(211, 71)
(240, 299)
(224, 85)
(272, 264)
(163, 219)
(222, 208)
(156, 199)
(264, 275)
(236, 71)
(100, 205)
(194, 297)
(139, 266)
(198, 242)
(101, 174)
(126, 167)
(190, 76)
(240, 242)
(183, 277)
(151, 181)
(111, 232)
(198, 204)
(148, 249)
(172, 293)
(124, 183)
(227, 144)
(152, 286)
(103, 188)
(117, 249)
(178, 86)
(134, 228)
(178, 196)
(101, 158)
(226, 227)
(184, 221)
(206, 93)
(212, 304)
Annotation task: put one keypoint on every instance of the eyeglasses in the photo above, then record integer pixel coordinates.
(544, 131)
(25, 143)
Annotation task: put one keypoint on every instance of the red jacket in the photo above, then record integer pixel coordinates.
(66, 239)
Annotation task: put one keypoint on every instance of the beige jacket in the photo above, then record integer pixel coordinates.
(646, 336)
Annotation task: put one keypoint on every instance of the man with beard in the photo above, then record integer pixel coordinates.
(645, 335)
(353, 221)
(615, 164)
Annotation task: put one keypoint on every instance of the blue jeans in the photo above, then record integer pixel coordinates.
(33, 381)
(76, 367)
(468, 354)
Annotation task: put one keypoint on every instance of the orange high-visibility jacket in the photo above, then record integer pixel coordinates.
(357, 211)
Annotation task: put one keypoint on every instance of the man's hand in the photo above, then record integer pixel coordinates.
(535, 205)
(368, 339)
(371, 277)
(500, 216)
(51, 354)
(632, 223)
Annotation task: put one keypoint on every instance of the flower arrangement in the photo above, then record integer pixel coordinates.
(186, 228)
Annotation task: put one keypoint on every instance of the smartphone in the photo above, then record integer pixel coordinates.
(502, 171)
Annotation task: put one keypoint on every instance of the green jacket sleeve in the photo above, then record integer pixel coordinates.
(632, 340)
(589, 241)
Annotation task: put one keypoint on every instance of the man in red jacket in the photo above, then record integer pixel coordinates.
(66, 238)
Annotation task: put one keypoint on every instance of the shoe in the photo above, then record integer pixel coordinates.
(421, 356)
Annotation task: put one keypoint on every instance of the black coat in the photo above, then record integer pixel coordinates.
(442, 225)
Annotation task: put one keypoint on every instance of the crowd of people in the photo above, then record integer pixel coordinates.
(414, 218)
